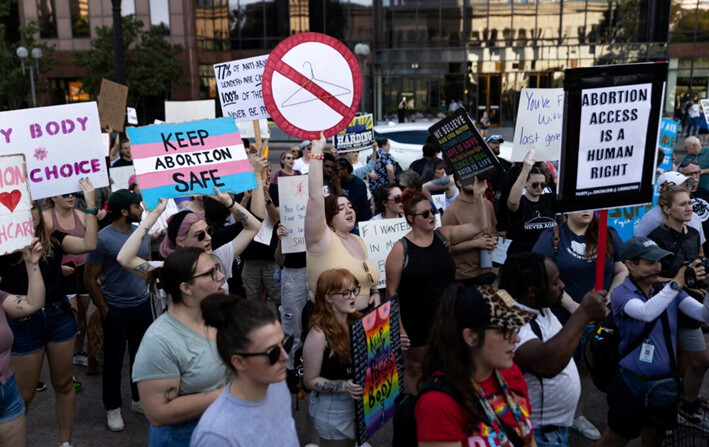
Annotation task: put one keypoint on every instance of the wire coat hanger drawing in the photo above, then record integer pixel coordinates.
(343, 90)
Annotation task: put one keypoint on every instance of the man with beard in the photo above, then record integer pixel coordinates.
(700, 197)
(122, 299)
(545, 351)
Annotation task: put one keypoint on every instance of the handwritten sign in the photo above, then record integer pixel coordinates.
(705, 108)
(111, 104)
(173, 160)
(293, 197)
(539, 123)
(265, 233)
(132, 116)
(239, 87)
(120, 177)
(499, 254)
(16, 224)
(357, 135)
(61, 144)
(464, 148)
(378, 367)
(183, 111)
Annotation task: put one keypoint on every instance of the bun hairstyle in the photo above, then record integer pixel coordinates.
(179, 266)
(234, 318)
(410, 198)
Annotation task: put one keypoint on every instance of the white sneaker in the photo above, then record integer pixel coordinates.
(81, 359)
(136, 407)
(65, 444)
(699, 419)
(115, 420)
(586, 428)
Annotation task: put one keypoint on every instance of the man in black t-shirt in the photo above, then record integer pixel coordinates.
(700, 197)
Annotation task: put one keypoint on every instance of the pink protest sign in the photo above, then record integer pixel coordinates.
(16, 226)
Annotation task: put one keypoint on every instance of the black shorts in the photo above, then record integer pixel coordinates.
(627, 414)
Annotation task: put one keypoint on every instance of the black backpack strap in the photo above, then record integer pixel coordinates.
(536, 329)
(405, 248)
(668, 342)
(441, 238)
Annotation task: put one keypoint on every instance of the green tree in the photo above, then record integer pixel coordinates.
(14, 85)
(150, 60)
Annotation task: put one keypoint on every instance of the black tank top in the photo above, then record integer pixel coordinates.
(332, 369)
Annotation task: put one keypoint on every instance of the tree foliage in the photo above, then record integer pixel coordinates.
(150, 62)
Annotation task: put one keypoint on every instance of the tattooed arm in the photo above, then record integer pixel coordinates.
(163, 405)
(128, 256)
(312, 360)
(17, 306)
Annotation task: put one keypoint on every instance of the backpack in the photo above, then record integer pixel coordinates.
(601, 351)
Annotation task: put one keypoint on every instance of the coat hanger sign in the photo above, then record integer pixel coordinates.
(312, 83)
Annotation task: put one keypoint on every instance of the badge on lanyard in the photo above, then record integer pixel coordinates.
(646, 352)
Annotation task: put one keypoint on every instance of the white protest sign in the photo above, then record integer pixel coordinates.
(161, 223)
(106, 143)
(612, 135)
(239, 87)
(380, 236)
(499, 254)
(16, 224)
(265, 233)
(61, 144)
(293, 197)
(439, 201)
(539, 124)
(183, 111)
(705, 108)
(132, 116)
(120, 177)
(246, 129)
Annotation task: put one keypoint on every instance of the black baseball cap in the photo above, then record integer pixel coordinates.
(644, 248)
(121, 200)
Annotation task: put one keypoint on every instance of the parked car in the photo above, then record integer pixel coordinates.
(405, 140)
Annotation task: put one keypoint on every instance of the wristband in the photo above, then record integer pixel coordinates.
(316, 156)
(90, 211)
(268, 202)
(233, 202)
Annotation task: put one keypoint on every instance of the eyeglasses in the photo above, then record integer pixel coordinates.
(203, 234)
(214, 272)
(426, 213)
(366, 269)
(71, 194)
(507, 333)
(686, 163)
(274, 353)
(536, 185)
(288, 158)
(349, 293)
(396, 199)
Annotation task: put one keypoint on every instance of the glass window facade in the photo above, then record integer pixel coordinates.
(47, 19)
(160, 15)
(79, 10)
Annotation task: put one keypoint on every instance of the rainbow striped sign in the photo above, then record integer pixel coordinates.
(174, 160)
(376, 355)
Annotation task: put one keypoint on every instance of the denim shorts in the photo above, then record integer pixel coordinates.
(11, 404)
(552, 436)
(54, 323)
(333, 415)
(173, 435)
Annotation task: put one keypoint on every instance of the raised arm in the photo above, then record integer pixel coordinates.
(317, 238)
(18, 306)
(518, 187)
(128, 256)
(258, 204)
(250, 223)
(78, 245)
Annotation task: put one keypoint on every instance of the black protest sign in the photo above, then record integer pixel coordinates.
(464, 148)
(610, 135)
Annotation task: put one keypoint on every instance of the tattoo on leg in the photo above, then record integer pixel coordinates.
(170, 394)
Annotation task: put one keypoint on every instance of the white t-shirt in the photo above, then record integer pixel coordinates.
(300, 165)
(561, 392)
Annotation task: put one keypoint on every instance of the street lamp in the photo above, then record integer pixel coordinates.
(362, 51)
(37, 55)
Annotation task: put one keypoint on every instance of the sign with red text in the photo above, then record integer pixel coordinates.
(16, 225)
(239, 87)
(173, 160)
(293, 197)
(61, 144)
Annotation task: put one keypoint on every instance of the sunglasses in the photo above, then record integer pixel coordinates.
(396, 199)
(536, 185)
(507, 333)
(349, 293)
(274, 353)
(366, 270)
(426, 213)
(203, 234)
(686, 163)
(214, 272)
(71, 194)
(288, 158)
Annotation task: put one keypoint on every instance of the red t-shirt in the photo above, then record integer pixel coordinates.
(440, 419)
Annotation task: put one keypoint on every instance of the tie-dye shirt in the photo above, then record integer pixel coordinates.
(440, 419)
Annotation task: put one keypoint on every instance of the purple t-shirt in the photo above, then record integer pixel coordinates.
(6, 340)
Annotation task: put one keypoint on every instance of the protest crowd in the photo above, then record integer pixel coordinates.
(484, 311)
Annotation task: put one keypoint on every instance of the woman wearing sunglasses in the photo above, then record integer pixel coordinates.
(53, 328)
(530, 211)
(328, 241)
(419, 273)
(255, 407)
(387, 202)
(474, 337)
(326, 358)
(287, 160)
(177, 368)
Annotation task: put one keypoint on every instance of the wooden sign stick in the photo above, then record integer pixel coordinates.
(258, 143)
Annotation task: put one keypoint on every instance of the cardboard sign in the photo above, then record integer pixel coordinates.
(132, 116)
(539, 123)
(111, 104)
(464, 148)
(16, 224)
(246, 129)
(356, 136)
(61, 144)
(610, 135)
(173, 160)
(293, 198)
(378, 367)
(120, 177)
(239, 87)
(183, 111)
